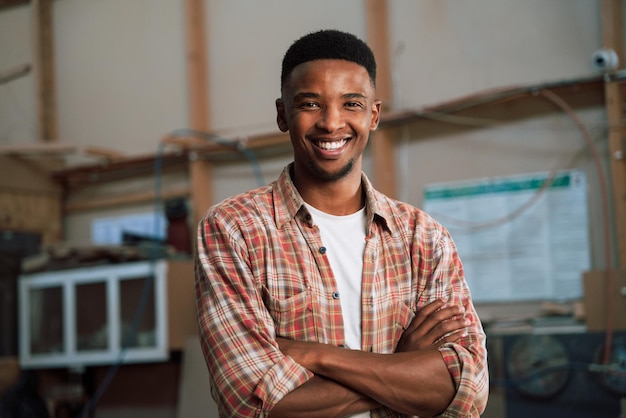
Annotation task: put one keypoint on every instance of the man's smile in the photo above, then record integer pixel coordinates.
(331, 145)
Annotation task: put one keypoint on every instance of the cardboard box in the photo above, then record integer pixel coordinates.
(9, 372)
(596, 301)
(181, 299)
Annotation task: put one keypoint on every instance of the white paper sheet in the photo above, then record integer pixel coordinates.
(517, 240)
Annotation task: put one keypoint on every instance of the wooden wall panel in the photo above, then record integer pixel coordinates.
(32, 212)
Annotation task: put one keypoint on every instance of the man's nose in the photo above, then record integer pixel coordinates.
(331, 119)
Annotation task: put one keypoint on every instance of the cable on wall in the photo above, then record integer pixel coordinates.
(565, 107)
(517, 212)
(238, 145)
(490, 123)
(130, 336)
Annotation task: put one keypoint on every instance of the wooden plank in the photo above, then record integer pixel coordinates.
(43, 27)
(197, 70)
(5, 4)
(614, 101)
(617, 152)
(181, 303)
(31, 212)
(377, 17)
(17, 175)
(104, 152)
(9, 372)
(38, 149)
(200, 171)
(124, 200)
(611, 15)
(383, 156)
(503, 105)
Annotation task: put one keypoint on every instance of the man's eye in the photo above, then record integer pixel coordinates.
(308, 105)
(353, 104)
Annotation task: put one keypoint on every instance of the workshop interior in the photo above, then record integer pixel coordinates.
(123, 121)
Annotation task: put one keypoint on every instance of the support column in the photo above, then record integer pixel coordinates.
(383, 156)
(200, 171)
(614, 102)
(44, 47)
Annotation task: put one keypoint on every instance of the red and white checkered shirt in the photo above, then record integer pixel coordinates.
(262, 272)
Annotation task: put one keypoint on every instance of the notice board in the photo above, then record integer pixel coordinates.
(520, 238)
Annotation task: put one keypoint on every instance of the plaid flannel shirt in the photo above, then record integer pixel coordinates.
(261, 272)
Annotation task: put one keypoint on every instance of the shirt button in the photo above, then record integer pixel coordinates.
(335, 295)
(322, 250)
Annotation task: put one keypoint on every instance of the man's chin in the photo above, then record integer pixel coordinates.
(327, 175)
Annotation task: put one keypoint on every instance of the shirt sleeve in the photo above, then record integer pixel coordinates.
(248, 373)
(466, 359)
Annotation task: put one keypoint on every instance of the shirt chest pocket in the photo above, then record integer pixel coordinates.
(393, 318)
(293, 316)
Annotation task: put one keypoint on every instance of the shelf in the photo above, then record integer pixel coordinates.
(88, 316)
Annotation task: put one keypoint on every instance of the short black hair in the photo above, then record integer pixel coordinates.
(328, 44)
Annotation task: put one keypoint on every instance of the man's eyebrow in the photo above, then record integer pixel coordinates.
(311, 95)
(306, 95)
(355, 96)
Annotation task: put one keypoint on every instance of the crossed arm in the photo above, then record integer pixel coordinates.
(414, 380)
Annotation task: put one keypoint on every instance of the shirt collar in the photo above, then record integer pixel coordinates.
(288, 204)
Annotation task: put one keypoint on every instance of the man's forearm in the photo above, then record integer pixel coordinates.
(413, 383)
(320, 397)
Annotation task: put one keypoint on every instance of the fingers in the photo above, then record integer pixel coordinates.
(434, 325)
(432, 314)
(451, 330)
(452, 337)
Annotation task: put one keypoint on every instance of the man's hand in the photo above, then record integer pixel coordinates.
(433, 326)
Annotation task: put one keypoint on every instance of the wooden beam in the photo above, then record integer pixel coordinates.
(43, 26)
(614, 101)
(124, 200)
(200, 171)
(107, 153)
(383, 157)
(5, 4)
(197, 85)
(617, 151)
(38, 149)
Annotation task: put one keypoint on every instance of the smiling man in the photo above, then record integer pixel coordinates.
(317, 295)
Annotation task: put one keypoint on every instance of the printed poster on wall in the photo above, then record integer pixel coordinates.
(520, 238)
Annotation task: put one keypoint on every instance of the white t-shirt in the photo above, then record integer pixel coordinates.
(344, 239)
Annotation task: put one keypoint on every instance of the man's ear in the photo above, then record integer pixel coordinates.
(281, 118)
(376, 106)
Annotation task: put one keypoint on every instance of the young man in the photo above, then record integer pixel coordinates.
(318, 296)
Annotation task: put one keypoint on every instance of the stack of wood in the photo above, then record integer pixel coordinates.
(63, 257)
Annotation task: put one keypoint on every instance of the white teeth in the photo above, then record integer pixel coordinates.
(331, 146)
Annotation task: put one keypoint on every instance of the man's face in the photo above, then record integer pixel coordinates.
(329, 109)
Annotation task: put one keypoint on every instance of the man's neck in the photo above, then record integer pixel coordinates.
(338, 197)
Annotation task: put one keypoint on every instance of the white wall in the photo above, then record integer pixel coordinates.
(446, 49)
(121, 76)
(247, 40)
(121, 70)
(18, 104)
